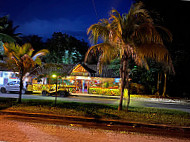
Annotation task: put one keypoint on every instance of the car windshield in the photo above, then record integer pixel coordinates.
(14, 82)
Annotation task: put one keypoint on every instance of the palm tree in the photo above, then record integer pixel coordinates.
(7, 31)
(130, 36)
(21, 59)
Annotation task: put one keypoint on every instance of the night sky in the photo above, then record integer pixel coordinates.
(43, 17)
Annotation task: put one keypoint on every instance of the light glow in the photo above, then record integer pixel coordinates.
(54, 75)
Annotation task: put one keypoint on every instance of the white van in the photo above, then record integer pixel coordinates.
(13, 86)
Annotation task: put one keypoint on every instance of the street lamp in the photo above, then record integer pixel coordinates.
(55, 76)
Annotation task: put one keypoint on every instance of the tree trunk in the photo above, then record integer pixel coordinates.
(164, 89)
(99, 66)
(123, 75)
(21, 87)
(21, 84)
(158, 85)
(128, 88)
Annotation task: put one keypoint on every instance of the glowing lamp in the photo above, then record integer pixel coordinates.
(54, 75)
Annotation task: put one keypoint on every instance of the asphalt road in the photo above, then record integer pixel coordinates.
(182, 105)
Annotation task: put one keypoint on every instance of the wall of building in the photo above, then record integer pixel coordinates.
(7, 76)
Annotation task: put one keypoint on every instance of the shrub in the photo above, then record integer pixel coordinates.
(106, 91)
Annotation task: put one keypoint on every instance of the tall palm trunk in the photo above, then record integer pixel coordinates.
(123, 75)
(99, 65)
(128, 88)
(21, 86)
(164, 89)
(158, 85)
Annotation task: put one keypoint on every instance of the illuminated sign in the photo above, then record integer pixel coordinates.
(83, 77)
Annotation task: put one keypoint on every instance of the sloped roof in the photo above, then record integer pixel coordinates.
(81, 68)
(67, 69)
(51, 68)
(106, 71)
(3, 66)
(4, 69)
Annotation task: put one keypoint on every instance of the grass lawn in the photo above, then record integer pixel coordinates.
(136, 114)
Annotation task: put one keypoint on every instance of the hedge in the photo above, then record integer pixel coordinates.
(106, 91)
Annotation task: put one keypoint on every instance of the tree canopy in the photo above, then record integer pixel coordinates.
(21, 59)
(132, 35)
(65, 49)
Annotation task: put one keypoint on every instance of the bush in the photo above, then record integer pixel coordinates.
(106, 91)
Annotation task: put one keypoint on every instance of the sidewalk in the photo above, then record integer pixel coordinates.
(140, 97)
(94, 95)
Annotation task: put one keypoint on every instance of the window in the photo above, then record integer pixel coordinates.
(6, 74)
(1, 74)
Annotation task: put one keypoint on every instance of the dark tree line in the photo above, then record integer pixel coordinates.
(63, 47)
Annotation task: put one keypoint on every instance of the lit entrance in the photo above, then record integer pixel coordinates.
(82, 76)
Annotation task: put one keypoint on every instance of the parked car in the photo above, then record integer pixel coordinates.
(50, 90)
(13, 86)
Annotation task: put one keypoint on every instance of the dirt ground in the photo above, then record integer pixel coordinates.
(18, 131)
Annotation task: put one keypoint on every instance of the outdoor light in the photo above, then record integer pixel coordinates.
(55, 76)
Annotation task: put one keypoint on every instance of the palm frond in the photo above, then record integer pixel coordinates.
(164, 33)
(26, 49)
(6, 38)
(9, 52)
(146, 34)
(40, 53)
(157, 52)
(38, 61)
(108, 53)
(116, 21)
(99, 30)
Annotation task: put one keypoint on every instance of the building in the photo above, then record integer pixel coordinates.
(78, 78)
(7, 76)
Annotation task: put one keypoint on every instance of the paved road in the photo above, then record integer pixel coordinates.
(15, 130)
(141, 102)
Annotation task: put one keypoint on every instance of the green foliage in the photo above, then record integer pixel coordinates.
(20, 58)
(105, 85)
(106, 91)
(136, 114)
(35, 41)
(115, 66)
(7, 31)
(131, 34)
(127, 36)
(65, 49)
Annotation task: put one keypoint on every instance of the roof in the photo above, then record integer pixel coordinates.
(106, 71)
(81, 70)
(3, 66)
(67, 70)
(47, 69)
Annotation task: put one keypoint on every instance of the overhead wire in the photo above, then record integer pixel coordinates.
(94, 6)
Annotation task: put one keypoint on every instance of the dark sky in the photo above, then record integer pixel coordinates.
(43, 17)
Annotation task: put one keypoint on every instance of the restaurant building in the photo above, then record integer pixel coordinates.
(81, 78)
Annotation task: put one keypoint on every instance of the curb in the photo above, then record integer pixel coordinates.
(108, 122)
